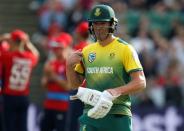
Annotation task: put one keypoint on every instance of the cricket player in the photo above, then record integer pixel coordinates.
(3, 47)
(54, 81)
(17, 64)
(112, 71)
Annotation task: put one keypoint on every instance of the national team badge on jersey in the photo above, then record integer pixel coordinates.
(91, 57)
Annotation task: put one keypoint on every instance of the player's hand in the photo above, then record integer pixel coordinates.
(88, 96)
(5, 36)
(26, 39)
(102, 107)
(74, 58)
(49, 72)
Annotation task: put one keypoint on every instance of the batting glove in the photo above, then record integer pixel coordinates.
(102, 107)
(86, 95)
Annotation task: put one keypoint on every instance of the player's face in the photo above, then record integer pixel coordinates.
(58, 52)
(101, 30)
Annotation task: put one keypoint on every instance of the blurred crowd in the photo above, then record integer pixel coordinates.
(154, 27)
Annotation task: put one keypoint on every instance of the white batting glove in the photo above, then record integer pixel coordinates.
(103, 106)
(86, 95)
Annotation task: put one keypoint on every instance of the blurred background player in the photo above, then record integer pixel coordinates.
(54, 81)
(17, 65)
(4, 46)
(81, 37)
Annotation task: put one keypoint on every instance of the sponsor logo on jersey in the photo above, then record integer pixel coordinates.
(112, 55)
(91, 57)
(100, 70)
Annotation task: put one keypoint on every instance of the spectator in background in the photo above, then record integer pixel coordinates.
(79, 13)
(52, 12)
(76, 107)
(178, 44)
(160, 19)
(142, 41)
(17, 63)
(172, 84)
(162, 53)
(121, 8)
(54, 81)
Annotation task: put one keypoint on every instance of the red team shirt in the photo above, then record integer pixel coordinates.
(0, 73)
(80, 45)
(4, 46)
(57, 97)
(17, 73)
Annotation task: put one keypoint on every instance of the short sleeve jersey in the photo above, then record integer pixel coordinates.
(17, 68)
(110, 66)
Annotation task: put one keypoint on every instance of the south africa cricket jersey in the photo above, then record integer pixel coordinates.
(110, 66)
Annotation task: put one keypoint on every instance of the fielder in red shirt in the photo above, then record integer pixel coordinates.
(4, 46)
(54, 81)
(17, 65)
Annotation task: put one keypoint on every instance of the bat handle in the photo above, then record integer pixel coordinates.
(74, 97)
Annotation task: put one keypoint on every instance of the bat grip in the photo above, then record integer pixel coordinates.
(74, 97)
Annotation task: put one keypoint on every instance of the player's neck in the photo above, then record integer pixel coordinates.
(107, 41)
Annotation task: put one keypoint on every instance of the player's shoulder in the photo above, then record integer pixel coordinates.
(124, 46)
(122, 42)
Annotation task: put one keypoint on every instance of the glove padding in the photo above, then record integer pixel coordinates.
(86, 95)
(103, 106)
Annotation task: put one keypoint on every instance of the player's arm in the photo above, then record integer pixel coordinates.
(133, 67)
(74, 78)
(30, 47)
(105, 103)
(50, 75)
(61, 82)
(137, 83)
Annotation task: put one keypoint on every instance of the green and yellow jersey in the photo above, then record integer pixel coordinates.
(110, 66)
